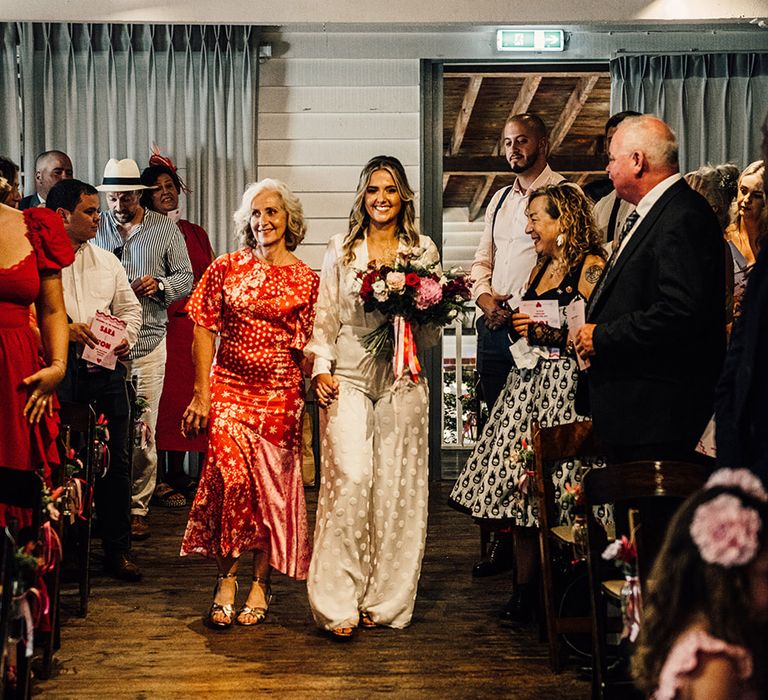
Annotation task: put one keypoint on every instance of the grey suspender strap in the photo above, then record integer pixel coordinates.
(504, 194)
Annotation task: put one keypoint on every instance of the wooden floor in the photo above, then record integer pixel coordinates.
(148, 640)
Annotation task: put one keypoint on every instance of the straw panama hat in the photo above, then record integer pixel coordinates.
(122, 176)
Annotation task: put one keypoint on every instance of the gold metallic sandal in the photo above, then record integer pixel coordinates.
(258, 615)
(228, 609)
(366, 621)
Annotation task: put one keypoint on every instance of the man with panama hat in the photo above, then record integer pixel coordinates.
(154, 255)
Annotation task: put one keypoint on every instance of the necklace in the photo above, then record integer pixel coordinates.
(382, 252)
(556, 267)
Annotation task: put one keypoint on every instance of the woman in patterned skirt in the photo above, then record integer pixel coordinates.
(494, 482)
(260, 303)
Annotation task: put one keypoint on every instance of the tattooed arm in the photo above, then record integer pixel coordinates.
(590, 274)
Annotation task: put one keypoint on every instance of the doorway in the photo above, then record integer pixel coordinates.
(466, 106)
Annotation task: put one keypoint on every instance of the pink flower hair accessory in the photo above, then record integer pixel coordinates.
(725, 531)
(742, 479)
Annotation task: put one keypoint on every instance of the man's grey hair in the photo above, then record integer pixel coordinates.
(654, 137)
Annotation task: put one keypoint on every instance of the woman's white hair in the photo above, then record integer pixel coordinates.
(296, 227)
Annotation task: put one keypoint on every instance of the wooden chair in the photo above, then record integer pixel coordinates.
(78, 430)
(641, 486)
(22, 489)
(552, 445)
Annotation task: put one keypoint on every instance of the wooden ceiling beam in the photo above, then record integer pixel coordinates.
(522, 102)
(485, 165)
(478, 198)
(512, 74)
(576, 101)
(465, 112)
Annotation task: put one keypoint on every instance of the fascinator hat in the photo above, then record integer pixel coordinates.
(159, 165)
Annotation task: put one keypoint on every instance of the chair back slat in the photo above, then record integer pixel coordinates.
(634, 480)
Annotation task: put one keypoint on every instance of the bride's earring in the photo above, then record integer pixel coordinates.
(560, 240)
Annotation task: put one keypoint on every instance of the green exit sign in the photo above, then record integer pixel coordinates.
(530, 40)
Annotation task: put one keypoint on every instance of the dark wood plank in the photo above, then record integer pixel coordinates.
(149, 641)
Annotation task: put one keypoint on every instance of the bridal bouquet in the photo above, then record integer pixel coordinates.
(408, 293)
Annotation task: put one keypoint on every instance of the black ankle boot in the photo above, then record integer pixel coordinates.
(499, 558)
(519, 610)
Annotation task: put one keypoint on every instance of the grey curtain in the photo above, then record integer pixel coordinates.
(716, 103)
(100, 91)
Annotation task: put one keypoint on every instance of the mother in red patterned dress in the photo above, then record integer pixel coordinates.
(33, 249)
(260, 302)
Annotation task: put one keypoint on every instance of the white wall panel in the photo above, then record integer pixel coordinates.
(321, 205)
(312, 255)
(336, 151)
(332, 126)
(379, 98)
(325, 71)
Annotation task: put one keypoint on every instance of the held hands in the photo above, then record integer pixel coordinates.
(495, 311)
(195, 418)
(145, 286)
(42, 383)
(326, 389)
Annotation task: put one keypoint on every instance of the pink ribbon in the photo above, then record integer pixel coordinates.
(405, 351)
(631, 607)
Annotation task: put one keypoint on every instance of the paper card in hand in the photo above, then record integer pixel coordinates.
(110, 331)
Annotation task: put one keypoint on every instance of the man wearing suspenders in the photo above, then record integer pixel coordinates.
(500, 271)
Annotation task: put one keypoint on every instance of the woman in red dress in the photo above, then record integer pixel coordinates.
(179, 373)
(33, 249)
(260, 302)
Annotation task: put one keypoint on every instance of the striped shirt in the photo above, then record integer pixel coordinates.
(155, 248)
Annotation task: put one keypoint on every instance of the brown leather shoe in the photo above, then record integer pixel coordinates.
(139, 527)
(122, 567)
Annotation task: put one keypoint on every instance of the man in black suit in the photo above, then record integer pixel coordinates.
(50, 167)
(655, 331)
(741, 412)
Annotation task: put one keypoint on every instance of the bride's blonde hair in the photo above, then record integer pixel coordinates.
(358, 217)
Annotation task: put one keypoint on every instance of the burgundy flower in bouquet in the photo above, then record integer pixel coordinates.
(409, 293)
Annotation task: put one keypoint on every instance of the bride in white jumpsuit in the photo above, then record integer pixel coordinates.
(372, 506)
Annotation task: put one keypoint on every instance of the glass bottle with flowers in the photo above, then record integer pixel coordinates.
(623, 552)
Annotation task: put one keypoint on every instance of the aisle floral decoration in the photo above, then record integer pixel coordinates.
(101, 454)
(409, 293)
(623, 552)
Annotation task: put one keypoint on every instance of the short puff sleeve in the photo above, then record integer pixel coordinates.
(45, 231)
(685, 655)
(307, 291)
(206, 305)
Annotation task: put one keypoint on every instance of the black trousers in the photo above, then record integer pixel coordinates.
(105, 390)
(494, 360)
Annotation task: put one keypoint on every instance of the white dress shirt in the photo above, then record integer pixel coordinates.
(645, 204)
(505, 273)
(96, 281)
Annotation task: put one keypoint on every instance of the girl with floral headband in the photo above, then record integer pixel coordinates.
(706, 607)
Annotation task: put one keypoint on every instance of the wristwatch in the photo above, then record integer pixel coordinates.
(160, 286)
